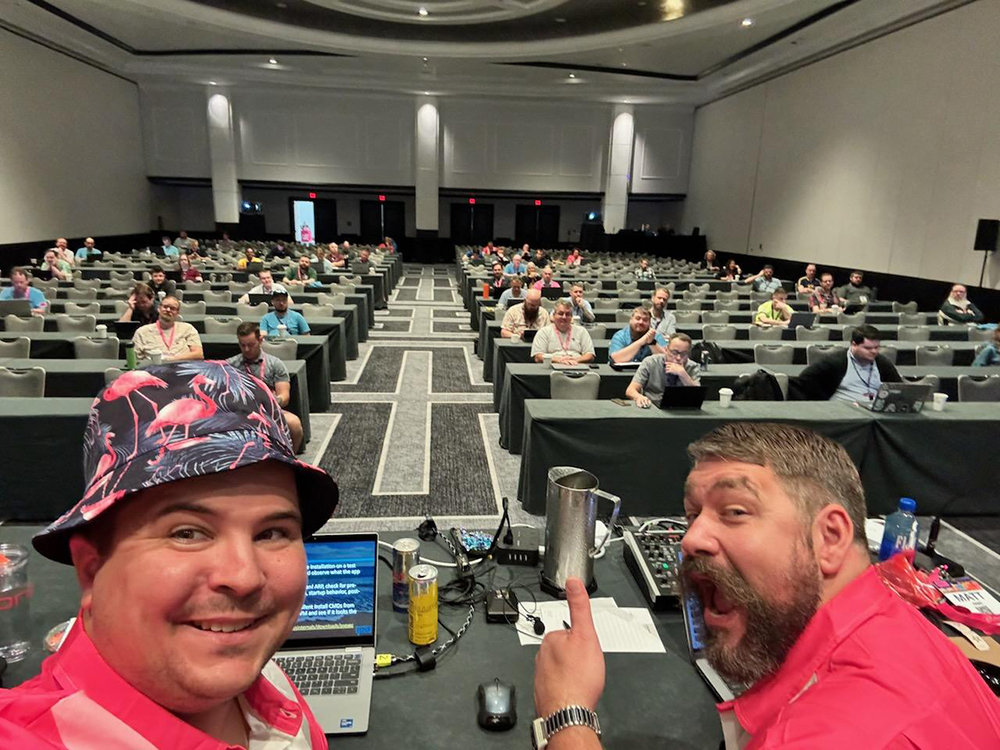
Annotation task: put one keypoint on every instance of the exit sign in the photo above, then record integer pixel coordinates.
(382, 198)
(312, 195)
(538, 203)
(472, 201)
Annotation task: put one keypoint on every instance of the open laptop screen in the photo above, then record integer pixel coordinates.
(339, 607)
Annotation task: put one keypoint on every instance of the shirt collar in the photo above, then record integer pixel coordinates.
(834, 622)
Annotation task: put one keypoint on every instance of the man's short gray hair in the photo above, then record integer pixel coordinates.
(814, 470)
(563, 303)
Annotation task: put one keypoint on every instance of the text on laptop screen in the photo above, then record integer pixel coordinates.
(340, 590)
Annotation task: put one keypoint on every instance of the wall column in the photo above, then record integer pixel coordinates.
(427, 176)
(615, 203)
(222, 149)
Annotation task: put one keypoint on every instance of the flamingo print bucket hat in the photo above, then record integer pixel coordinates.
(170, 422)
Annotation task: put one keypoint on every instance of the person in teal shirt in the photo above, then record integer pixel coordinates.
(637, 340)
(169, 249)
(20, 289)
(282, 316)
(989, 354)
(88, 251)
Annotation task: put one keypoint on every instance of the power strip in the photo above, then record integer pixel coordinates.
(523, 550)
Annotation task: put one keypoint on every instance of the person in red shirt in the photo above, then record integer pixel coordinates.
(776, 551)
(187, 269)
(188, 549)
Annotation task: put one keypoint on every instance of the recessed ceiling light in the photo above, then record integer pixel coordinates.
(572, 75)
(422, 11)
(560, 20)
(427, 93)
(746, 23)
(624, 65)
(272, 61)
(212, 83)
(425, 59)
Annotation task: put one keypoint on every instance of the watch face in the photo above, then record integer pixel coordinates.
(538, 739)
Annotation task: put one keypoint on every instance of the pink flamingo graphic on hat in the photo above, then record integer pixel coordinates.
(124, 386)
(184, 411)
(104, 465)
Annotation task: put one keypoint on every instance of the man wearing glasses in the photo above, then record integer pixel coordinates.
(174, 339)
(658, 372)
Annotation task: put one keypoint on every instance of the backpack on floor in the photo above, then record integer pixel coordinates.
(759, 386)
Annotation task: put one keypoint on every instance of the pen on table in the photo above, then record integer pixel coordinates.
(566, 625)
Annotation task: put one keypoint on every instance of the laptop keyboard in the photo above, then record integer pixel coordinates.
(323, 674)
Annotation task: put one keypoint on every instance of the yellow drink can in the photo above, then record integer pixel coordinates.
(423, 624)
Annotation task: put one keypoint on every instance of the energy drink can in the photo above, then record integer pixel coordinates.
(423, 627)
(405, 555)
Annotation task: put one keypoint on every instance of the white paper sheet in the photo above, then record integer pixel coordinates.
(621, 630)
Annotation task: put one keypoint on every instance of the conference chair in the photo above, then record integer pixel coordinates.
(223, 298)
(19, 348)
(781, 377)
(891, 353)
(121, 285)
(913, 333)
(629, 300)
(27, 383)
(110, 294)
(88, 348)
(284, 349)
(719, 333)
(82, 294)
(85, 308)
(689, 304)
(932, 380)
(904, 307)
(701, 288)
(222, 325)
(111, 375)
(816, 352)
(935, 356)
(627, 285)
(197, 286)
(251, 312)
(240, 287)
(688, 316)
(121, 306)
(86, 283)
(353, 279)
(728, 305)
(856, 319)
(912, 319)
(847, 332)
(13, 323)
(47, 285)
(606, 303)
(728, 296)
(341, 289)
(811, 334)
(700, 296)
(670, 286)
(980, 334)
(75, 324)
(971, 388)
(715, 317)
(335, 300)
(498, 314)
(312, 312)
(766, 333)
(193, 308)
(580, 388)
(623, 316)
(599, 331)
(122, 276)
(764, 354)
(548, 304)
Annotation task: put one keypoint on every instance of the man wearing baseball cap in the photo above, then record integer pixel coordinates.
(281, 316)
(188, 548)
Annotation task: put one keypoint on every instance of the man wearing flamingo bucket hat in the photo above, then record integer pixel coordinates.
(188, 548)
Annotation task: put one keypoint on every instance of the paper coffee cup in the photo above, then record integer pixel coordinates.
(725, 397)
(161, 294)
(939, 401)
(156, 357)
(282, 330)
(101, 331)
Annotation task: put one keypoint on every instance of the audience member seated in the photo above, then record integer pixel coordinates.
(174, 339)
(581, 308)
(169, 249)
(764, 282)
(528, 315)
(476, 259)
(88, 251)
(644, 271)
(249, 256)
(515, 267)
(561, 341)
(159, 282)
(671, 369)
(546, 282)
(390, 245)
(988, 356)
(293, 321)
(709, 261)
(195, 252)
(531, 274)
(63, 251)
(958, 309)
(20, 288)
(183, 242)
(730, 272)
(363, 261)
(514, 292)
(855, 292)
(637, 340)
(776, 551)
(282, 252)
(263, 366)
(334, 257)
(266, 286)
(141, 306)
(498, 280)
(853, 374)
(574, 259)
(187, 268)
(541, 259)
(487, 249)
(54, 267)
(662, 320)
(774, 312)
(301, 274)
(806, 284)
(318, 259)
(823, 298)
(500, 256)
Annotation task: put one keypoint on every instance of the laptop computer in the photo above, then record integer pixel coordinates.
(330, 655)
(855, 308)
(804, 319)
(552, 292)
(126, 328)
(256, 299)
(901, 398)
(18, 307)
(528, 335)
(360, 268)
(694, 627)
(255, 266)
(683, 397)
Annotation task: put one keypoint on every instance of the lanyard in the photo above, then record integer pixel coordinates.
(564, 345)
(246, 366)
(871, 376)
(173, 333)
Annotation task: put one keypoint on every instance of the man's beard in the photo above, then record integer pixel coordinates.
(771, 628)
(530, 316)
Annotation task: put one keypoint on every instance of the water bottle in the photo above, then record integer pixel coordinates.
(900, 530)
(130, 359)
(706, 359)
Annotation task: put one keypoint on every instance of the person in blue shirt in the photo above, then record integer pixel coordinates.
(282, 316)
(88, 251)
(637, 340)
(989, 354)
(580, 307)
(764, 282)
(20, 289)
(515, 267)
(169, 249)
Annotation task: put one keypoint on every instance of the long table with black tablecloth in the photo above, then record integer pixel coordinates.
(314, 350)
(650, 701)
(506, 351)
(531, 380)
(944, 460)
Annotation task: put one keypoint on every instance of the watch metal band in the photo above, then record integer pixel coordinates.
(570, 716)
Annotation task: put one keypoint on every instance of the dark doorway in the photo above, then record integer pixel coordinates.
(381, 218)
(537, 225)
(471, 223)
(252, 226)
(326, 219)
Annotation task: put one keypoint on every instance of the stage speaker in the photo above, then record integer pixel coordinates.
(987, 234)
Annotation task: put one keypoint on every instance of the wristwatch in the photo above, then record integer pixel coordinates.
(571, 716)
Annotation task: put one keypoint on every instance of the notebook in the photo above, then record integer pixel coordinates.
(330, 655)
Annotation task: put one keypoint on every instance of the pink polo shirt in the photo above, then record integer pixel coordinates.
(868, 673)
(78, 702)
(540, 284)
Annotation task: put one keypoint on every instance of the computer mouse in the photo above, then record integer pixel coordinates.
(497, 705)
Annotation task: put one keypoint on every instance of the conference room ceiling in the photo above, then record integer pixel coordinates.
(641, 51)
